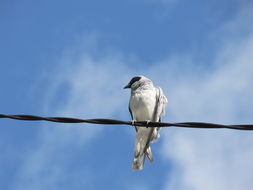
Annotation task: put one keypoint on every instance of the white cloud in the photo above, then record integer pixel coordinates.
(204, 159)
(214, 159)
(90, 82)
(87, 86)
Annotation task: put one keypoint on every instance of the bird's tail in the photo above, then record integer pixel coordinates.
(142, 149)
(139, 160)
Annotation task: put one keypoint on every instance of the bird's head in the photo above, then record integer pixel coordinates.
(138, 81)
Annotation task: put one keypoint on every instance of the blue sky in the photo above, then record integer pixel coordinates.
(62, 58)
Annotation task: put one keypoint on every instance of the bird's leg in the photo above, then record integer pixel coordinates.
(147, 122)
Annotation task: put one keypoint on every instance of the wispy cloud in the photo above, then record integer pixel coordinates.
(214, 159)
(87, 83)
(83, 85)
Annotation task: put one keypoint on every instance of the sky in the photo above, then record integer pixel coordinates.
(62, 58)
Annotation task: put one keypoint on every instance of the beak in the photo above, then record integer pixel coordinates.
(127, 86)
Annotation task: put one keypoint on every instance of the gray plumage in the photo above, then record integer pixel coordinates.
(147, 103)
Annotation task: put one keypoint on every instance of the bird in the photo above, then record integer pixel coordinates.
(147, 103)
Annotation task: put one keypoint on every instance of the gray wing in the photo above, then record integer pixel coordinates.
(161, 102)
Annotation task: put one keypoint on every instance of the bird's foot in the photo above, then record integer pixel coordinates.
(133, 122)
(147, 122)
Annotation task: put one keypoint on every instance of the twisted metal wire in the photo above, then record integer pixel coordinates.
(119, 122)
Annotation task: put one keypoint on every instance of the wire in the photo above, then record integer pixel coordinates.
(119, 122)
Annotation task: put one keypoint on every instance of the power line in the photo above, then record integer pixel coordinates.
(202, 125)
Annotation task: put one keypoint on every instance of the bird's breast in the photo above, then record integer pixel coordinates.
(142, 105)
